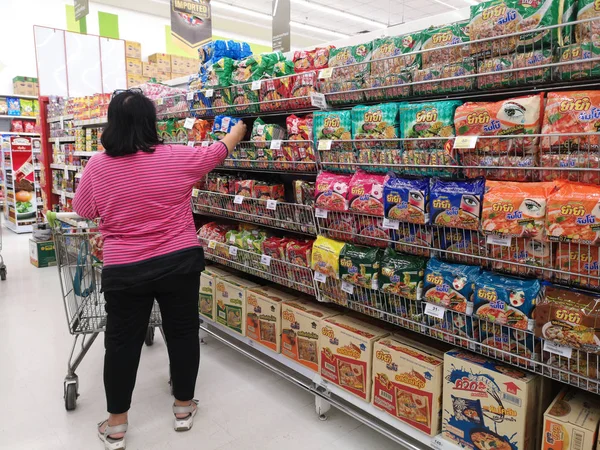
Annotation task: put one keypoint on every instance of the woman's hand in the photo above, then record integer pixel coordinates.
(235, 136)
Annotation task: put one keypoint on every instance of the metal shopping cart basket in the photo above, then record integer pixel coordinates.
(79, 260)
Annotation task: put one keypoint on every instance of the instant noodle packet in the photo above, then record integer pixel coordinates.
(331, 192)
(581, 67)
(413, 239)
(360, 266)
(407, 200)
(391, 50)
(450, 285)
(343, 58)
(578, 264)
(521, 346)
(456, 204)
(506, 300)
(366, 193)
(370, 231)
(460, 245)
(341, 227)
(587, 31)
(326, 256)
(439, 38)
(573, 214)
(371, 124)
(335, 126)
(402, 274)
(532, 255)
(515, 209)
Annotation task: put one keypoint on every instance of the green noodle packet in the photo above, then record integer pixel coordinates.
(359, 265)
(402, 274)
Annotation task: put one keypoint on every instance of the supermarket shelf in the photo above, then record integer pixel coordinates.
(5, 116)
(259, 166)
(85, 153)
(15, 133)
(100, 122)
(61, 139)
(31, 97)
(407, 437)
(57, 119)
(65, 166)
(67, 194)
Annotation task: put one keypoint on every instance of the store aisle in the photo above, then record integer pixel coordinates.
(242, 405)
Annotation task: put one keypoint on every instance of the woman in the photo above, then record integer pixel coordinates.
(141, 190)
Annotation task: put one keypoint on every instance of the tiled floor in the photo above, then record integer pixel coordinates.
(242, 405)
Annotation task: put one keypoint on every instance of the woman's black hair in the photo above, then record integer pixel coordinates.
(131, 125)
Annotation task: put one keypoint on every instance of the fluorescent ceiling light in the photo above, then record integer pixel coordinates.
(445, 4)
(337, 12)
(317, 30)
(245, 11)
(471, 2)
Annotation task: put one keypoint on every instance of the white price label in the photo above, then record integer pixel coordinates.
(276, 144)
(391, 224)
(238, 199)
(272, 205)
(265, 260)
(233, 250)
(209, 93)
(348, 288)
(189, 123)
(195, 193)
(321, 213)
(325, 144)
(558, 349)
(57, 143)
(437, 443)
(436, 311)
(504, 241)
(318, 100)
(256, 85)
(320, 277)
(62, 123)
(190, 96)
(212, 244)
(326, 73)
(191, 143)
(159, 101)
(205, 143)
(465, 142)
(250, 342)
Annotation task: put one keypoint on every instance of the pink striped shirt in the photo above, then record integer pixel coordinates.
(143, 200)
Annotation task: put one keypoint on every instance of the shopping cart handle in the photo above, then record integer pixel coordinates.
(52, 217)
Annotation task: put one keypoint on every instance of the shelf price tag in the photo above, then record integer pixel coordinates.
(265, 260)
(191, 143)
(318, 100)
(324, 145)
(272, 205)
(62, 123)
(212, 244)
(256, 85)
(195, 193)
(436, 311)
(391, 224)
(57, 143)
(321, 213)
(326, 73)
(238, 199)
(205, 143)
(276, 144)
(190, 95)
(465, 142)
(189, 123)
(233, 250)
(321, 278)
(504, 241)
(348, 288)
(209, 93)
(558, 349)
(160, 101)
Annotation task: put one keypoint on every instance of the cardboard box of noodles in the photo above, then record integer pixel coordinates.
(208, 282)
(301, 325)
(162, 61)
(263, 316)
(347, 353)
(149, 69)
(230, 296)
(488, 404)
(133, 66)
(135, 80)
(407, 382)
(571, 421)
(182, 65)
(133, 49)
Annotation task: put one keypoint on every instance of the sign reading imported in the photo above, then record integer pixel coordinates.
(191, 23)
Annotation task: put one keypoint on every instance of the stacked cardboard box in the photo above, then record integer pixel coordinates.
(25, 86)
(133, 63)
(183, 66)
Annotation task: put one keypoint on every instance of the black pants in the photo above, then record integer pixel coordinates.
(128, 312)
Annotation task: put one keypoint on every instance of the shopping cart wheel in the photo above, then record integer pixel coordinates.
(3, 273)
(150, 336)
(70, 396)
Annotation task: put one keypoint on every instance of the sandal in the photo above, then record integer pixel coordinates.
(111, 443)
(186, 423)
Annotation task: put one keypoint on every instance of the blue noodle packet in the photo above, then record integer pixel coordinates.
(450, 285)
(407, 200)
(456, 203)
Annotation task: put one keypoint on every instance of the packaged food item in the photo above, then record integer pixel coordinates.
(301, 129)
(342, 58)
(301, 326)
(200, 130)
(455, 76)
(16, 126)
(441, 37)
(370, 231)
(223, 125)
(302, 85)
(387, 87)
(347, 353)
(573, 213)
(340, 226)
(371, 124)
(334, 126)
(331, 192)
(460, 245)
(244, 188)
(527, 61)
(304, 192)
(569, 112)
(407, 200)
(263, 133)
(413, 239)
(218, 74)
(587, 31)
(428, 121)
(488, 404)
(244, 100)
(571, 420)
(391, 50)
(583, 260)
(530, 255)
(379, 159)
(26, 107)
(266, 191)
(208, 282)
(574, 161)
(450, 285)
(509, 167)
(499, 64)
(515, 209)
(342, 92)
(359, 266)
(263, 319)
(521, 346)
(454, 328)
(582, 68)
(299, 253)
(3, 107)
(14, 106)
(230, 294)
(29, 126)
(506, 300)
(326, 256)
(456, 204)
(402, 274)
(303, 61)
(407, 382)
(569, 317)
(580, 364)
(274, 92)
(221, 101)
(365, 193)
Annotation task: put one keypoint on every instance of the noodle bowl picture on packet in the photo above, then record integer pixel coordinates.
(456, 204)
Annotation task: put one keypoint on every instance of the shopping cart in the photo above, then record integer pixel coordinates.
(2, 265)
(79, 260)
